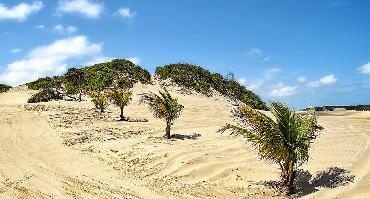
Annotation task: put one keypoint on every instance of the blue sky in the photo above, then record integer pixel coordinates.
(303, 53)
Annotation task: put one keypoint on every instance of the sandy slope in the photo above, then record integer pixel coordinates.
(67, 150)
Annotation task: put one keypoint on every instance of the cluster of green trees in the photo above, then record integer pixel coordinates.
(201, 80)
(94, 80)
(4, 88)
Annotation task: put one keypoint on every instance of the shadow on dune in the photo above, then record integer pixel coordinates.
(306, 183)
(129, 119)
(194, 136)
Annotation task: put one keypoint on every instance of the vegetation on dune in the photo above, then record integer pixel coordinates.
(285, 141)
(163, 106)
(203, 81)
(120, 98)
(100, 100)
(74, 80)
(45, 95)
(4, 88)
(49, 89)
(104, 75)
(93, 79)
(45, 82)
(353, 107)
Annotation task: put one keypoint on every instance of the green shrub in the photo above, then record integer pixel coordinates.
(201, 80)
(103, 75)
(100, 101)
(74, 81)
(45, 95)
(45, 82)
(4, 88)
(131, 70)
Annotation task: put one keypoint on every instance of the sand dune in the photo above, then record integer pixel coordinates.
(67, 150)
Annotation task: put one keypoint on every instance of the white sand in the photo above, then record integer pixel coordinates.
(67, 150)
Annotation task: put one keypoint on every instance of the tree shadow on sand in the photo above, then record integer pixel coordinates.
(306, 184)
(177, 136)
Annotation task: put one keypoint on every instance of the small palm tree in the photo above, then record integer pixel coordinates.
(285, 140)
(163, 106)
(100, 100)
(120, 98)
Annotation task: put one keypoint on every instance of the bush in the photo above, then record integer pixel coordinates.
(45, 95)
(201, 80)
(4, 88)
(100, 101)
(46, 82)
(103, 75)
(74, 81)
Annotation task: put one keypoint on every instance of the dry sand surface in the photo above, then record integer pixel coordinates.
(65, 149)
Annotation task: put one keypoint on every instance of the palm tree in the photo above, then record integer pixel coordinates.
(285, 140)
(120, 98)
(100, 100)
(163, 106)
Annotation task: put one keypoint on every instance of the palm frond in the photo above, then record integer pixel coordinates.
(163, 106)
(260, 130)
(287, 138)
(120, 97)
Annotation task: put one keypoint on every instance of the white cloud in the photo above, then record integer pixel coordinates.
(135, 60)
(302, 79)
(250, 86)
(242, 81)
(71, 29)
(19, 12)
(254, 86)
(98, 60)
(329, 79)
(254, 52)
(273, 70)
(284, 91)
(103, 59)
(125, 13)
(58, 28)
(326, 80)
(86, 8)
(63, 30)
(364, 69)
(16, 50)
(314, 84)
(41, 26)
(266, 59)
(49, 60)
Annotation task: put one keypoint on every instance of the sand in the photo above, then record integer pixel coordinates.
(65, 149)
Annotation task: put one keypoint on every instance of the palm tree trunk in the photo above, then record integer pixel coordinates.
(288, 176)
(168, 130)
(291, 177)
(121, 115)
(80, 96)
